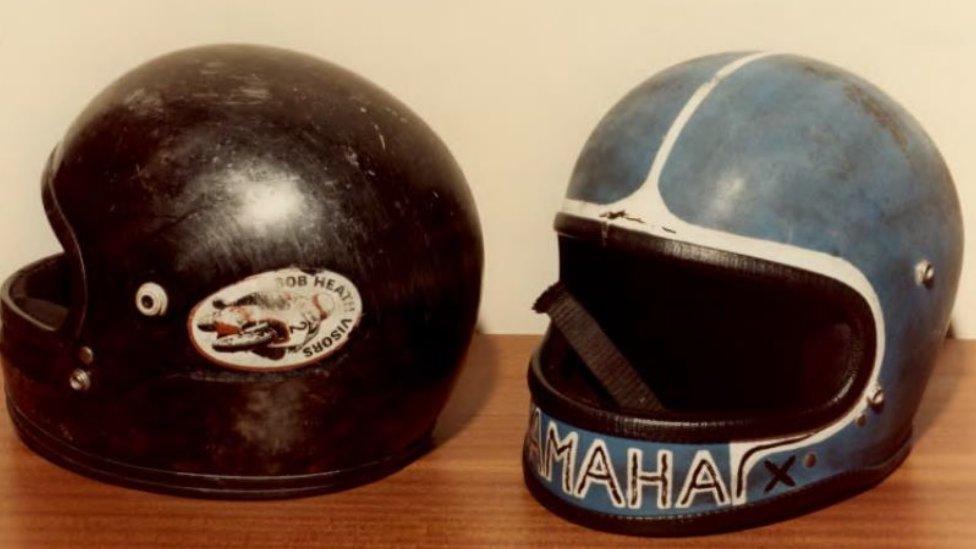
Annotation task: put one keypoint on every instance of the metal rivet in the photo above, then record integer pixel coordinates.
(876, 399)
(80, 380)
(861, 420)
(86, 355)
(924, 273)
(810, 460)
(151, 299)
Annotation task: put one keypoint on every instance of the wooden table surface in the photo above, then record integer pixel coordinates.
(468, 490)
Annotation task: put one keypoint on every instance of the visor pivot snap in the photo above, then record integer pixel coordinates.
(85, 355)
(80, 380)
(876, 399)
(925, 273)
(151, 299)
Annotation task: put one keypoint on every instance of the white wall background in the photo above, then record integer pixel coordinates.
(513, 88)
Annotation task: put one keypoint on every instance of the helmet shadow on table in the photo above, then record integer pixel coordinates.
(476, 381)
(941, 390)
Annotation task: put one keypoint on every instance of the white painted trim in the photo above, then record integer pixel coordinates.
(686, 112)
(647, 212)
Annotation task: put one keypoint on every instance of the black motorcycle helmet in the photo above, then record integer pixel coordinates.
(271, 272)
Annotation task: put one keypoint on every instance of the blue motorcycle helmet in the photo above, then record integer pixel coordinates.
(758, 258)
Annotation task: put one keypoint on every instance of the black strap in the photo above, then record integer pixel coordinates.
(601, 357)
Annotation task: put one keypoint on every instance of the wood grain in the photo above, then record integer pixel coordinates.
(468, 490)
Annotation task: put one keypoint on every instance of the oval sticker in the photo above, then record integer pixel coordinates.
(276, 320)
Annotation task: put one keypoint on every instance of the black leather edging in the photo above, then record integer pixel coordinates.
(13, 287)
(667, 426)
(27, 344)
(65, 233)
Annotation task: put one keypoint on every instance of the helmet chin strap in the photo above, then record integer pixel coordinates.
(598, 353)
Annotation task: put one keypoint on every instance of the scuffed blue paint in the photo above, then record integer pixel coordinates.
(794, 151)
(799, 152)
(618, 155)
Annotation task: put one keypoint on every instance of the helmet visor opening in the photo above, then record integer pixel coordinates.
(716, 335)
(39, 292)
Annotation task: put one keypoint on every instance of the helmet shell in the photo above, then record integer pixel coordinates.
(273, 202)
(756, 163)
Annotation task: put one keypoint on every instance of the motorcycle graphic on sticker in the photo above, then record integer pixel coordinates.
(276, 320)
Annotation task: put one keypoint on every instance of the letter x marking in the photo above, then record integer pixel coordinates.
(780, 473)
